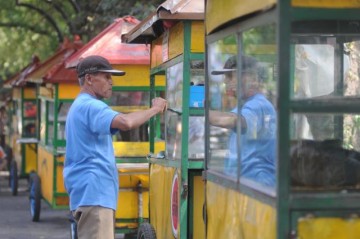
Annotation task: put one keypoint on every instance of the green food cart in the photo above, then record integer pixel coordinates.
(22, 138)
(175, 33)
(56, 88)
(306, 55)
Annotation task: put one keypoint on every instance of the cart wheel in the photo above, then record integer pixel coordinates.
(130, 236)
(146, 231)
(9, 157)
(73, 229)
(35, 197)
(13, 178)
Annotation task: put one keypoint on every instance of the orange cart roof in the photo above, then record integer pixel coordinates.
(109, 45)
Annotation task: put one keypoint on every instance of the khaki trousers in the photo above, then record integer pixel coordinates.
(94, 222)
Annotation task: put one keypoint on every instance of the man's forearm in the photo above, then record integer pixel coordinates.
(134, 119)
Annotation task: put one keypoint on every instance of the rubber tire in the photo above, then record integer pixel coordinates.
(9, 157)
(146, 231)
(130, 236)
(13, 178)
(73, 227)
(34, 196)
(73, 230)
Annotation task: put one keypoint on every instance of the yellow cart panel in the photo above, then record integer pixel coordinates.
(197, 36)
(220, 12)
(328, 228)
(46, 173)
(68, 91)
(60, 188)
(231, 214)
(47, 169)
(136, 149)
(136, 75)
(29, 93)
(133, 193)
(30, 157)
(160, 194)
(162, 49)
(198, 202)
(175, 43)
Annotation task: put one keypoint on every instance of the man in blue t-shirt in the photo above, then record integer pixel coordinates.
(90, 172)
(258, 123)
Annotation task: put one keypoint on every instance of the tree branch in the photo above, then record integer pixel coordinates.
(43, 13)
(74, 5)
(26, 26)
(62, 13)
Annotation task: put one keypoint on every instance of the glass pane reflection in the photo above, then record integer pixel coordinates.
(326, 157)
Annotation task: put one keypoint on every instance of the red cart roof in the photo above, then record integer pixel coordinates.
(109, 45)
(53, 69)
(18, 78)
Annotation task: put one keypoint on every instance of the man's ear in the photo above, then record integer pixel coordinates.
(88, 79)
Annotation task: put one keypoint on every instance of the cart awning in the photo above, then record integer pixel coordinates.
(168, 12)
(109, 44)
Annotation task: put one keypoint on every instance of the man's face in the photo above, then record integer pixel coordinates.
(101, 84)
(245, 87)
(231, 83)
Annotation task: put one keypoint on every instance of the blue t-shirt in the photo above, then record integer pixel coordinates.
(90, 172)
(258, 142)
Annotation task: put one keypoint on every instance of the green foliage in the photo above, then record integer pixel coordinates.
(37, 27)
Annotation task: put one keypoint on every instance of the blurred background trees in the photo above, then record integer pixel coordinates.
(37, 27)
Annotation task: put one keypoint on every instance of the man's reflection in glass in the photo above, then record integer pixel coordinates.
(258, 122)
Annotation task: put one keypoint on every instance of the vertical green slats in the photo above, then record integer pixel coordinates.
(283, 164)
(185, 133)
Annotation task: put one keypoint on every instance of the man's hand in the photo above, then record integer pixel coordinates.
(160, 104)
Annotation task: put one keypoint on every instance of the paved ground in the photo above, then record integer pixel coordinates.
(15, 220)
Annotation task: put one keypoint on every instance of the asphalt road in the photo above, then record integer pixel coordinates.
(15, 220)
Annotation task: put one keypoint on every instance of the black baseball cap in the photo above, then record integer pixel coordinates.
(248, 63)
(229, 66)
(93, 64)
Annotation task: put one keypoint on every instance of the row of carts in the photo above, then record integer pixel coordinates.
(174, 171)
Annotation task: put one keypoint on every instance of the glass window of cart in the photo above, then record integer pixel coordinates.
(126, 102)
(242, 113)
(173, 126)
(325, 147)
(222, 103)
(196, 145)
(63, 110)
(43, 121)
(17, 117)
(50, 126)
(29, 110)
(257, 106)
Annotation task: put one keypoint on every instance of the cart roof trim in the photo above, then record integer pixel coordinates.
(171, 10)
